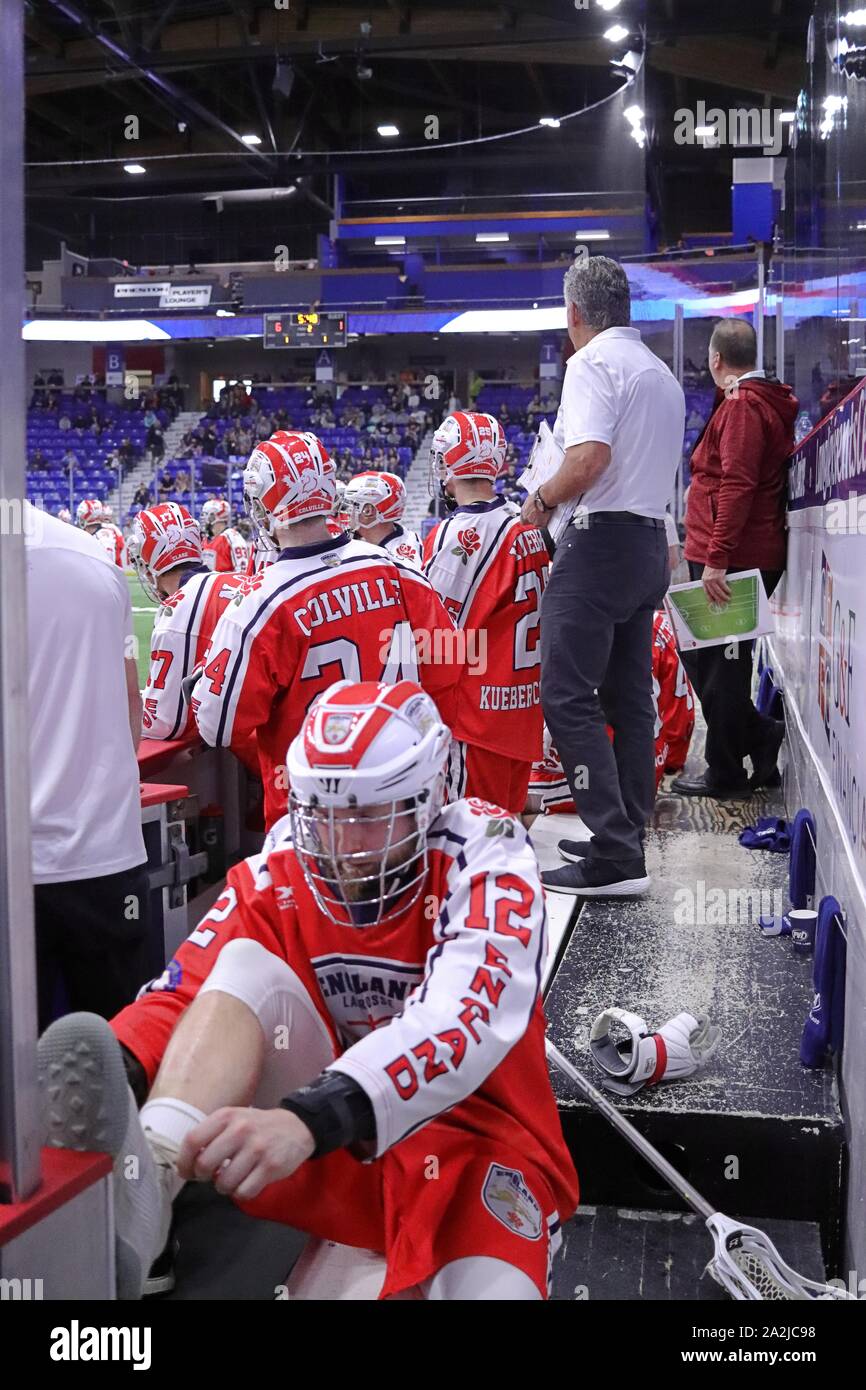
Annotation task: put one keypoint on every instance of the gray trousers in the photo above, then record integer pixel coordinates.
(596, 669)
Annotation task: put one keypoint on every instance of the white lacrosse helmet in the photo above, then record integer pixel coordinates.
(163, 538)
(367, 779)
(468, 444)
(384, 492)
(89, 513)
(107, 514)
(286, 482)
(214, 510)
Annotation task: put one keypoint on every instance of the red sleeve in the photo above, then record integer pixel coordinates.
(224, 562)
(145, 1026)
(429, 542)
(441, 656)
(741, 450)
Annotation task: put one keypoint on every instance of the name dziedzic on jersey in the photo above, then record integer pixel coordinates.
(339, 610)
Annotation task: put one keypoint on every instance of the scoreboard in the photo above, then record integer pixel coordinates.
(304, 330)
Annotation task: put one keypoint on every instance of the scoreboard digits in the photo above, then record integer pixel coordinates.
(304, 330)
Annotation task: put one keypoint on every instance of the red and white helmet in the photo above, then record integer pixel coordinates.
(467, 444)
(367, 780)
(162, 538)
(384, 492)
(288, 481)
(216, 509)
(89, 513)
(65, 515)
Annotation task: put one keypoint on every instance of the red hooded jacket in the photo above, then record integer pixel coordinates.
(735, 516)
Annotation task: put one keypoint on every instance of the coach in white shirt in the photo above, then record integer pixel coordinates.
(621, 424)
(90, 881)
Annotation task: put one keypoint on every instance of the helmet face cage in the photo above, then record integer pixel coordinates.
(390, 888)
(133, 550)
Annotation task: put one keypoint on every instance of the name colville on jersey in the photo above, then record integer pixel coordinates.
(331, 605)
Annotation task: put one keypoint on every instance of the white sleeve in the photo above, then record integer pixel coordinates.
(165, 714)
(479, 990)
(589, 410)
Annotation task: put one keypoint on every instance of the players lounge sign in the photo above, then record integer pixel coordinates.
(168, 296)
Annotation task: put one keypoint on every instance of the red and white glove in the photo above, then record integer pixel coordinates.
(680, 1048)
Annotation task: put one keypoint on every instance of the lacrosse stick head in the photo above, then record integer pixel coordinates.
(747, 1264)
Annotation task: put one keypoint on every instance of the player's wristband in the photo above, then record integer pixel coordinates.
(541, 502)
(336, 1111)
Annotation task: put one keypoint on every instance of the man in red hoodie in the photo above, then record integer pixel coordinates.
(735, 520)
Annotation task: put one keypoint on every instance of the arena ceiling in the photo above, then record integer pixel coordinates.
(313, 81)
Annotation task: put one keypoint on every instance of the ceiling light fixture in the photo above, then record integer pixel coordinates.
(616, 33)
(134, 169)
(387, 132)
(251, 139)
(550, 121)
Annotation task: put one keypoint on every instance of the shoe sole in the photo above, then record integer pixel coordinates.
(84, 1087)
(86, 1100)
(628, 888)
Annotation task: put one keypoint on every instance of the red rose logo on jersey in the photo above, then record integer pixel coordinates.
(406, 550)
(468, 542)
(507, 1197)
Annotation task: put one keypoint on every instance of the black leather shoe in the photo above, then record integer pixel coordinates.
(765, 772)
(705, 786)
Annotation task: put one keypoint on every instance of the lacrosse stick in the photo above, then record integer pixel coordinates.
(746, 1262)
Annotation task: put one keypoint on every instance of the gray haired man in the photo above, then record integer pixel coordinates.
(620, 423)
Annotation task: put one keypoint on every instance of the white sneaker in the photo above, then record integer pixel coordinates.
(90, 1107)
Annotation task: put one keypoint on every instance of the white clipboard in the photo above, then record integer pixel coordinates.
(544, 461)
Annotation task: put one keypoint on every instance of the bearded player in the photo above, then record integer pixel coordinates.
(225, 549)
(490, 570)
(327, 608)
(369, 983)
(166, 549)
(374, 503)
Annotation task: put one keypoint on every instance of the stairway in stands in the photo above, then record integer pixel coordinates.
(417, 487)
(143, 472)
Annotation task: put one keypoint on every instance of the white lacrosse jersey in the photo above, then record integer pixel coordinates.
(181, 634)
(404, 545)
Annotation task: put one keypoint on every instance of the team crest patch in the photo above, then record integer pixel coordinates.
(507, 1197)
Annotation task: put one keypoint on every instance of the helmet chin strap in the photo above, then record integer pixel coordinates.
(450, 502)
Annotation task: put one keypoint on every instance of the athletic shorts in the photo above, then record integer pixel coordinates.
(488, 776)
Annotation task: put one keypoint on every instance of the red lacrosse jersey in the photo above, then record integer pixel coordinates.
(110, 537)
(227, 553)
(490, 569)
(675, 701)
(437, 1010)
(337, 610)
(183, 628)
